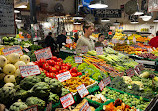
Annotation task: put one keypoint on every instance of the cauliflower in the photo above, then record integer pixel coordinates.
(127, 79)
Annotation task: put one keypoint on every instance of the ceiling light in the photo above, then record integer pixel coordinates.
(77, 23)
(146, 17)
(94, 4)
(77, 16)
(18, 20)
(155, 20)
(116, 23)
(134, 22)
(22, 6)
(105, 20)
(16, 11)
(138, 13)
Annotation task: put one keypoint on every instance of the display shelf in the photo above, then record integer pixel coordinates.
(146, 62)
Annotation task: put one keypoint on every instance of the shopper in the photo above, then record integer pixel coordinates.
(50, 42)
(76, 37)
(100, 40)
(61, 39)
(154, 41)
(85, 40)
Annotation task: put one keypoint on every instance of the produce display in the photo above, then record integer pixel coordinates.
(139, 38)
(10, 41)
(98, 98)
(148, 56)
(72, 45)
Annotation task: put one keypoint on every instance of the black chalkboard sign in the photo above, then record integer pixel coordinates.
(7, 23)
(108, 13)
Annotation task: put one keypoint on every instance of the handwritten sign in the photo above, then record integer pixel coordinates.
(12, 49)
(43, 53)
(84, 49)
(67, 100)
(32, 108)
(99, 50)
(7, 17)
(26, 49)
(63, 76)
(82, 90)
(106, 81)
(101, 85)
(49, 107)
(130, 72)
(29, 70)
(85, 107)
(78, 59)
(68, 41)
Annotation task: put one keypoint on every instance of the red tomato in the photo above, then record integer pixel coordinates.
(61, 71)
(58, 63)
(57, 67)
(79, 73)
(52, 75)
(74, 70)
(54, 58)
(63, 64)
(69, 65)
(52, 69)
(64, 67)
(41, 62)
(59, 60)
(64, 70)
(46, 66)
(73, 74)
(36, 63)
(47, 74)
(51, 62)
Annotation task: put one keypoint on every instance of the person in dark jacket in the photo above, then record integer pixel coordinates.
(76, 37)
(61, 39)
(50, 42)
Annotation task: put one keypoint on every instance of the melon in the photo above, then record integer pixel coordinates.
(19, 63)
(3, 61)
(9, 69)
(14, 57)
(25, 58)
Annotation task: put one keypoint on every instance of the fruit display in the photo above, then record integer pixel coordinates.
(10, 41)
(98, 98)
(74, 82)
(148, 56)
(138, 38)
(72, 45)
(119, 35)
(26, 43)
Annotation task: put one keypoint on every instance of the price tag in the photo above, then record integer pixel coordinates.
(19, 40)
(67, 100)
(82, 90)
(121, 41)
(101, 85)
(114, 41)
(78, 59)
(106, 81)
(43, 53)
(49, 107)
(13, 49)
(63, 76)
(134, 40)
(130, 72)
(21, 33)
(29, 70)
(85, 107)
(84, 49)
(137, 70)
(68, 41)
(128, 42)
(26, 49)
(99, 50)
(32, 108)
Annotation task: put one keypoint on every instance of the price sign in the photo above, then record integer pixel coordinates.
(13, 49)
(32, 108)
(130, 72)
(128, 42)
(99, 50)
(101, 85)
(114, 41)
(78, 59)
(85, 107)
(68, 41)
(63, 76)
(137, 70)
(29, 70)
(67, 100)
(106, 81)
(82, 90)
(121, 41)
(43, 53)
(19, 40)
(84, 49)
(134, 40)
(26, 49)
(49, 107)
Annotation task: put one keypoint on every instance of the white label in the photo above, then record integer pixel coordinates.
(29, 70)
(64, 76)
(99, 50)
(68, 41)
(19, 40)
(84, 49)
(121, 41)
(134, 40)
(128, 42)
(82, 90)
(43, 53)
(101, 85)
(154, 48)
(13, 49)
(106, 81)
(32, 108)
(26, 49)
(49, 107)
(78, 59)
(67, 100)
(85, 107)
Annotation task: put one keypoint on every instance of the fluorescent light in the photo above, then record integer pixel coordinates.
(146, 17)
(47, 25)
(98, 5)
(116, 23)
(105, 20)
(138, 13)
(22, 6)
(17, 20)
(155, 20)
(77, 17)
(134, 22)
(77, 23)
(16, 11)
